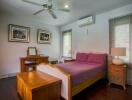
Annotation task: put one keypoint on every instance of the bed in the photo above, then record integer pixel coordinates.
(79, 74)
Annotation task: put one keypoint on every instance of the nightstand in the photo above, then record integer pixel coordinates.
(117, 74)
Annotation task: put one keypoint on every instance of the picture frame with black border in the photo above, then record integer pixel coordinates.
(17, 33)
(43, 36)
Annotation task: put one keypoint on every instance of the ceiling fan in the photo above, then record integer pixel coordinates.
(47, 6)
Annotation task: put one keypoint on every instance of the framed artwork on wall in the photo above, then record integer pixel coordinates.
(44, 36)
(18, 33)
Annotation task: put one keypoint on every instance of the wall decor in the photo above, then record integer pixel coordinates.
(44, 36)
(18, 33)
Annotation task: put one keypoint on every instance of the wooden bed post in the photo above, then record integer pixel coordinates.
(69, 88)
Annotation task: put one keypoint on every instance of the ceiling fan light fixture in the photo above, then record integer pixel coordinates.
(49, 6)
(66, 6)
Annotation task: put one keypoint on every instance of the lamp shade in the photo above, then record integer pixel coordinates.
(118, 51)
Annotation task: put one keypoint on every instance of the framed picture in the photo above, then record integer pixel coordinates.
(44, 36)
(32, 51)
(19, 33)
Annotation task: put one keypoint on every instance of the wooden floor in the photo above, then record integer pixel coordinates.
(98, 91)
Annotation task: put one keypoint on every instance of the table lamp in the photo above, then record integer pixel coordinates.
(118, 51)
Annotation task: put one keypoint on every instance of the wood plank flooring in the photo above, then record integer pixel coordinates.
(98, 91)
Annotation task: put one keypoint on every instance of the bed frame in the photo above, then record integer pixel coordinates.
(67, 90)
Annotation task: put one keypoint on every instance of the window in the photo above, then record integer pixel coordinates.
(120, 34)
(66, 36)
(122, 38)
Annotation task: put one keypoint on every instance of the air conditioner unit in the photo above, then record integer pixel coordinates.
(85, 21)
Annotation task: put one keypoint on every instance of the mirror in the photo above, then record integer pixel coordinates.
(32, 51)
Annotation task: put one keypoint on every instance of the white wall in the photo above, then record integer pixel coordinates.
(10, 52)
(97, 38)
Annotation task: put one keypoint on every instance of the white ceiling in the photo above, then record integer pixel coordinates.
(79, 8)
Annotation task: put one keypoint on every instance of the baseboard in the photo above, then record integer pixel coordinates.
(129, 82)
(7, 75)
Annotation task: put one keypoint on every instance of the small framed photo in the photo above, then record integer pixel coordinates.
(19, 33)
(44, 36)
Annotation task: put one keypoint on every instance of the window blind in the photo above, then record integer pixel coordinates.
(66, 36)
(120, 34)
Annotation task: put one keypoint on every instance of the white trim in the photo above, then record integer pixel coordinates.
(129, 82)
(7, 75)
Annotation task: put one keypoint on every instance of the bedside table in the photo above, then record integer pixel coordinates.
(117, 74)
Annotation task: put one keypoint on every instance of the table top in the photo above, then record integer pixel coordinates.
(30, 57)
(123, 65)
(36, 79)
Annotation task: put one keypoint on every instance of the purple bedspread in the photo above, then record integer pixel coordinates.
(81, 71)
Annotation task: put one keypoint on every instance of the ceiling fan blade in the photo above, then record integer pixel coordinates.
(38, 11)
(50, 4)
(65, 10)
(52, 14)
(50, 1)
(31, 2)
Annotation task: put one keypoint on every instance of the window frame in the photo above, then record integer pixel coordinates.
(112, 32)
(63, 32)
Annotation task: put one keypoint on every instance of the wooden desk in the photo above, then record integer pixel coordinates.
(36, 85)
(32, 62)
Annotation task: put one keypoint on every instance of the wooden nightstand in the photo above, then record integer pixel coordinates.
(117, 74)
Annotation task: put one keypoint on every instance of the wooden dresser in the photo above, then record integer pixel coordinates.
(36, 85)
(35, 60)
(117, 74)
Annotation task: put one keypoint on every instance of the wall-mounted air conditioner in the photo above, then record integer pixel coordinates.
(85, 21)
